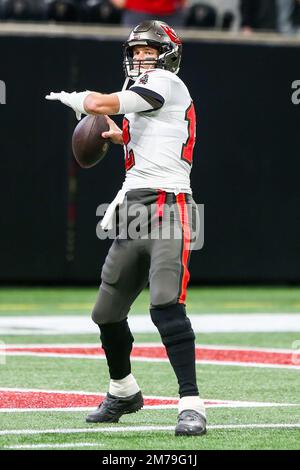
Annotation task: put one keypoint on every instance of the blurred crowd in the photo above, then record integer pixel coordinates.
(248, 16)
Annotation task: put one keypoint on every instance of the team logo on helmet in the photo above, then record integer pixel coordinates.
(171, 33)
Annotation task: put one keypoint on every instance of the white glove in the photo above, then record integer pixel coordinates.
(73, 100)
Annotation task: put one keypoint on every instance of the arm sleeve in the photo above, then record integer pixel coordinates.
(154, 99)
(149, 93)
(131, 102)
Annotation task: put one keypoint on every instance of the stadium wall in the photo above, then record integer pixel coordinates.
(246, 163)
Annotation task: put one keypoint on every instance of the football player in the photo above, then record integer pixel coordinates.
(159, 130)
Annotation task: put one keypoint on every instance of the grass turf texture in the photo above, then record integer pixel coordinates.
(286, 439)
(215, 439)
(264, 340)
(57, 301)
(219, 382)
(234, 383)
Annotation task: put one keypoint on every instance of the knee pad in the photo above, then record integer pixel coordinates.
(163, 293)
(173, 324)
(102, 311)
(107, 308)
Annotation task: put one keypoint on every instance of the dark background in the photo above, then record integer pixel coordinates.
(246, 161)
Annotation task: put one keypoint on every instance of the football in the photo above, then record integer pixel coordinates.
(89, 147)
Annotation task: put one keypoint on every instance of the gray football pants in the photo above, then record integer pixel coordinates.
(162, 261)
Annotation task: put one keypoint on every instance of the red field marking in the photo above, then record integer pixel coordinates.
(18, 399)
(232, 355)
(158, 352)
(97, 351)
(37, 399)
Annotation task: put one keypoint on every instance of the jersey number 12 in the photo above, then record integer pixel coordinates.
(188, 146)
(129, 156)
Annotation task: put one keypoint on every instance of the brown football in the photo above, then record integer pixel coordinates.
(88, 145)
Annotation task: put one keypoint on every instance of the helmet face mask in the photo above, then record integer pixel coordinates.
(158, 35)
(135, 67)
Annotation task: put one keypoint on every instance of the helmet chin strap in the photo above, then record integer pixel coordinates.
(125, 83)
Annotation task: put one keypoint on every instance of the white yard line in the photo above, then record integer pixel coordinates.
(148, 345)
(109, 429)
(256, 426)
(204, 323)
(29, 432)
(87, 408)
(55, 446)
(64, 392)
(250, 364)
(147, 407)
(78, 392)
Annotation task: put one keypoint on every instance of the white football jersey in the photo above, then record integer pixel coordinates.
(159, 142)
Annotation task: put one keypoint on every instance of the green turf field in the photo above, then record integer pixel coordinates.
(71, 301)
(248, 427)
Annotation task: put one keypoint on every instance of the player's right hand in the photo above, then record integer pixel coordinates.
(73, 100)
(114, 134)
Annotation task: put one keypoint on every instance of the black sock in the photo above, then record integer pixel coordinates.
(179, 340)
(116, 339)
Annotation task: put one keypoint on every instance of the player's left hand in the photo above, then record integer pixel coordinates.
(73, 100)
(114, 134)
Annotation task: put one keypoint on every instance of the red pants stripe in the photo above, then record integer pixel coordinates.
(181, 203)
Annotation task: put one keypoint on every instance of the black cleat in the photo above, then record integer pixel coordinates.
(190, 423)
(112, 408)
